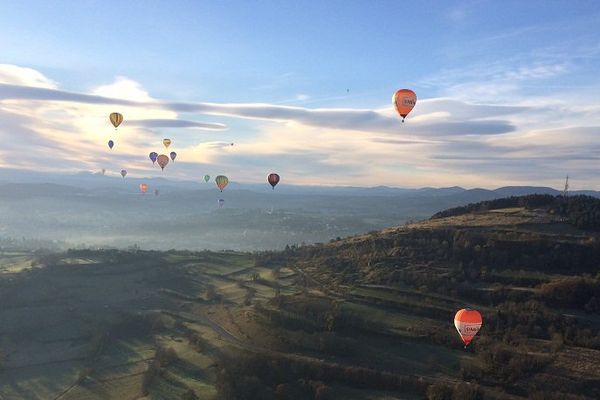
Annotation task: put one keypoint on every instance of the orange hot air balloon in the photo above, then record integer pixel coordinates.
(143, 187)
(467, 323)
(404, 100)
(162, 161)
(116, 119)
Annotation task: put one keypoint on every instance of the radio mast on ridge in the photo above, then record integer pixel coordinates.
(566, 190)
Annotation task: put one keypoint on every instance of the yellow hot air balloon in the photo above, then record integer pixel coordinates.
(167, 143)
(116, 119)
(221, 181)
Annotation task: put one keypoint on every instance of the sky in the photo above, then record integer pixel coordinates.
(508, 92)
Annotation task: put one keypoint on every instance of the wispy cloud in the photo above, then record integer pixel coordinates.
(176, 123)
(346, 119)
(445, 140)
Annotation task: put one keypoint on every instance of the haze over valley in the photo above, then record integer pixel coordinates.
(95, 210)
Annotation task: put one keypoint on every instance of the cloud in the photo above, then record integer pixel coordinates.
(383, 121)
(400, 141)
(15, 75)
(460, 110)
(18, 92)
(124, 89)
(176, 123)
(217, 145)
(445, 141)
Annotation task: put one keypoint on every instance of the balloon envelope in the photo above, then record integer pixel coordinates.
(404, 100)
(221, 181)
(167, 143)
(123, 173)
(206, 178)
(273, 180)
(143, 187)
(111, 144)
(162, 160)
(467, 323)
(173, 155)
(153, 156)
(116, 119)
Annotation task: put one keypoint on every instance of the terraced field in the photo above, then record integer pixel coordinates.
(368, 317)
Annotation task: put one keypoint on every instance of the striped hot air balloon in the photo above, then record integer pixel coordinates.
(221, 182)
(116, 119)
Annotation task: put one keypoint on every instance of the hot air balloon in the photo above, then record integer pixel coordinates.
(206, 178)
(103, 171)
(156, 192)
(467, 323)
(162, 160)
(167, 143)
(153, 156)
(404, 100)
(221, 181)
(173, 155)
(116, 119)
(221, 203)
(143, 188)
(123, 173)
(111, 144)
(273, 180)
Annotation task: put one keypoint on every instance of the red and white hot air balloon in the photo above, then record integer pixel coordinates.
(468, 323)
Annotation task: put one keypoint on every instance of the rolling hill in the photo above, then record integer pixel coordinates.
(363, 317)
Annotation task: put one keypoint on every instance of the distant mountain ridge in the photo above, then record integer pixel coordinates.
(108, 210)
(93, 180)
